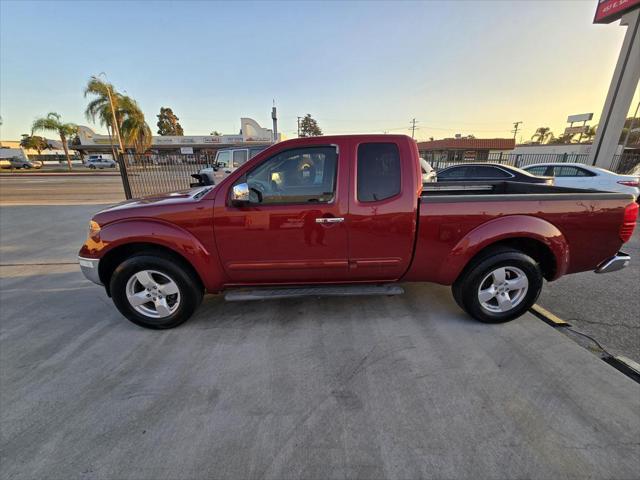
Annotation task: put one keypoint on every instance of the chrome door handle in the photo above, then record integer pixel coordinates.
(330, 220)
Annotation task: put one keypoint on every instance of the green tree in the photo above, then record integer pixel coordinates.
(53, 123)
(168, 123)
(33, 142)
(215, 133)
(130, 121)
(309, 127)
(542, 135)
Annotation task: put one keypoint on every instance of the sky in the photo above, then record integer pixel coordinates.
(468, 67)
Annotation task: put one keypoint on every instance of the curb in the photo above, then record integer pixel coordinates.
(624, 365)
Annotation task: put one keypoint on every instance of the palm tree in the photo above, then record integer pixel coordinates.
(542, 134)
(134, 129)
(53, 123)
(131, 124)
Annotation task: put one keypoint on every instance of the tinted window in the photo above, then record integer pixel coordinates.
(537, 170)
(481, 171)
(239, 157)
(378, 171)
(295, 176)
(255, 151)
(569, 171)
(454, 173)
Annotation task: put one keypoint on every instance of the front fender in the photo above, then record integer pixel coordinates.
(505, 228)
(161, 233)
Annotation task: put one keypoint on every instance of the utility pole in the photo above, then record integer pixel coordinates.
(299, 126)
(274, 118)
(413, 127)
(516, 125)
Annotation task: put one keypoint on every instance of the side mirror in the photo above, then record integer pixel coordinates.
(240, 194)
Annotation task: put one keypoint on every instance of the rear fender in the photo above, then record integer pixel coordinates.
(505, 228)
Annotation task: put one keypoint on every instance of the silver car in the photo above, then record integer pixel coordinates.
(99, 161)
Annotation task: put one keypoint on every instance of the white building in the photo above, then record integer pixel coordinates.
(251, 134)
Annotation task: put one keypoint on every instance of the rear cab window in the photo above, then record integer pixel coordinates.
(378, 171)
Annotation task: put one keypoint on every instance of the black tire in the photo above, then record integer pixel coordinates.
(189, 287)
(467, 286)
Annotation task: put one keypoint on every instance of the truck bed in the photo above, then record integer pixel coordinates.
(505, 190)
(454, 216)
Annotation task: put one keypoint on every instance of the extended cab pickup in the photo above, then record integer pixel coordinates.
(342, 215)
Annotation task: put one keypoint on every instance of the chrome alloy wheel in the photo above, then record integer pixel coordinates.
(153, 294)
(503, 289)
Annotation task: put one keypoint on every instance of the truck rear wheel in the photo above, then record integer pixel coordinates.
(499, 286)
(154, 291)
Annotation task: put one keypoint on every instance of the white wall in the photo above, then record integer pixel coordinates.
(572, 148)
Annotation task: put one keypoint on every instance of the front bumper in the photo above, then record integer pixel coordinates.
(615, 263)
(89, 267)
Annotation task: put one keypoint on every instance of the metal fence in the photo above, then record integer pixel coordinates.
(151, 174)
(620, 163)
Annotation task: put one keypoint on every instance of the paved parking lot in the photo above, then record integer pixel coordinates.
(389, 387)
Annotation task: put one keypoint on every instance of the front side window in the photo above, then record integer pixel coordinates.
(378, 171)
(569, 171)
(537, 170)
(301, 175)
(454, 173)
(224, 158)
(239, 157)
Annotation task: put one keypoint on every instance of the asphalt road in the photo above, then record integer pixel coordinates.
(34, 189)
(379, 387)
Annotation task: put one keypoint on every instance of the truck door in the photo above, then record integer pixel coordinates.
(382, 209)
(292, 230)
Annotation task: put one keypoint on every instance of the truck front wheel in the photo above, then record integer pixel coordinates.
(499, 286)
(155, 292)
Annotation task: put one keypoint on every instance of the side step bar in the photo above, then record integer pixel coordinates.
(322, 291)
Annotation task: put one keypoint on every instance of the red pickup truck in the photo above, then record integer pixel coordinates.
(340, 215)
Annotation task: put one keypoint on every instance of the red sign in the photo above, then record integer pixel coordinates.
(610, 10)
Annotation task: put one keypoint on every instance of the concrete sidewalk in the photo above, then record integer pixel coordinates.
(380, 387)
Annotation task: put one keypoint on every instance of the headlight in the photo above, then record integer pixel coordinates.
(94, 228)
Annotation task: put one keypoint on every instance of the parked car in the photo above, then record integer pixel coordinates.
(577, 175)
(428, 172)
(98, 161)
(346, 215)
(5, 163)
(488, 171)
(18, 163)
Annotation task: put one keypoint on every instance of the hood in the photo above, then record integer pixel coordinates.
(149, 206)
